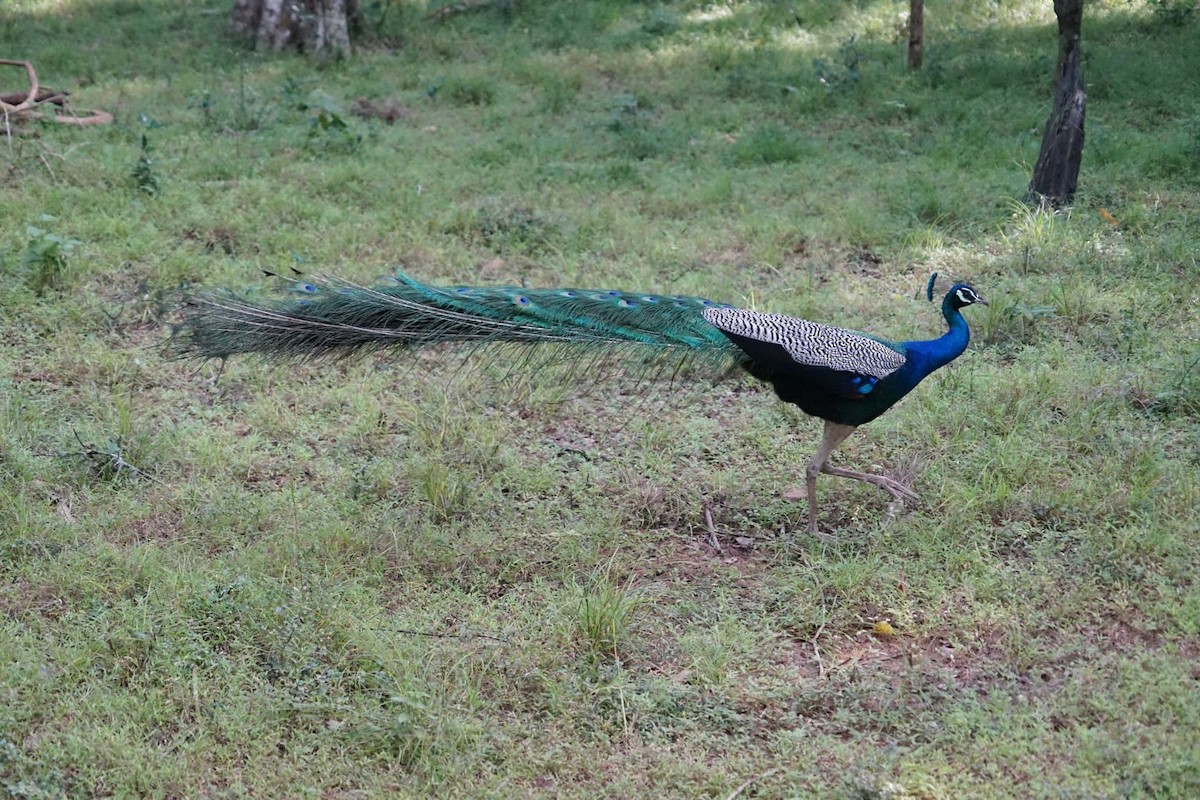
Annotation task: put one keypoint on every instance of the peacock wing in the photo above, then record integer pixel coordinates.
(845, 363)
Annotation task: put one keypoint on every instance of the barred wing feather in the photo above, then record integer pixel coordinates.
(846, 362)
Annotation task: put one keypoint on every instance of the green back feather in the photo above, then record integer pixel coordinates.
(338, 318)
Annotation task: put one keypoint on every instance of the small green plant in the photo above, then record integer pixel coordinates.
(1181, 392)
(247, 110)
(558, 92)
(632, 120)
(626, 108)
(509, 227)
(110, 461)
(1132, 332)
(44, 259)
(1032, 232)
(252, 113)
(21, 776)
(446, 492)
(1011, 322)
(206, 104)
(470, 91)
(328, 129)
(143, 170)
(606, 611)
(771, 144)
(294, 92)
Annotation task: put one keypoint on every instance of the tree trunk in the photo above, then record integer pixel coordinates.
(1056, 173)
(314, 26)
(916, 34)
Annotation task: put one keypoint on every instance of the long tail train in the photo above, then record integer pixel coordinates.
(339, 318)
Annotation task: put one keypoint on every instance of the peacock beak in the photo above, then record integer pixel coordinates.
(981, 301)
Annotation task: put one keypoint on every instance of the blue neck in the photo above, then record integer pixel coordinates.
(934, 353)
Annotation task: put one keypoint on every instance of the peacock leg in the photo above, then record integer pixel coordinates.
(834, 435)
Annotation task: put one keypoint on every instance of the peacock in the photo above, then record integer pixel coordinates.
(841, 376)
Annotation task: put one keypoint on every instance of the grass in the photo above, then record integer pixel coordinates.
(417, 578)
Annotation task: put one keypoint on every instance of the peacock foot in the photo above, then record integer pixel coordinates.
(895, 488)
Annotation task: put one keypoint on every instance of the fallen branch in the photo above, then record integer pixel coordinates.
(43, 96)
(33, 84)
(15, 103)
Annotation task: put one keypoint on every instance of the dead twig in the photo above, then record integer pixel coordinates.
(712, 529)
(746, 785)
(817, 651)
(435, 635)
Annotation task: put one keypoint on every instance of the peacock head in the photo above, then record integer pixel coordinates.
(962, 295)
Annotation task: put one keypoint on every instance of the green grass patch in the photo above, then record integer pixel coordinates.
(449, 575)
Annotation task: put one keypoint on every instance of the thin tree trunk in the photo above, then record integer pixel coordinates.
(1056, 173)
(916, 34)
(314, 26)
